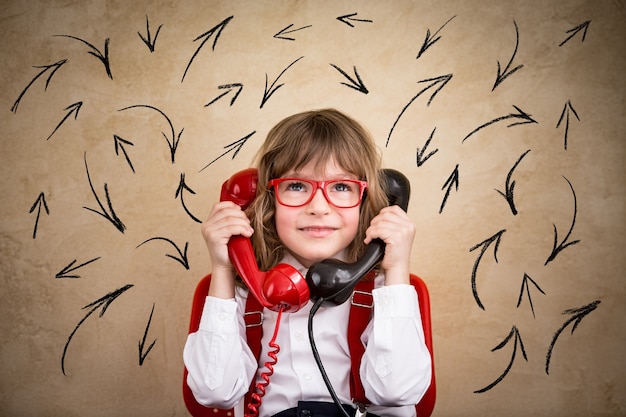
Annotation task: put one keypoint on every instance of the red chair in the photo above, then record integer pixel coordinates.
(424, 408)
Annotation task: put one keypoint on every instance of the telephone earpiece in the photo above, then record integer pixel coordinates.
(283, 286)
(334, 280)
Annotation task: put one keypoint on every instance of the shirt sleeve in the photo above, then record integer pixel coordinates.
(219, 362)
(396, 367)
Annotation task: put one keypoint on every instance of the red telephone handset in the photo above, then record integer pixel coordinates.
(283, 286)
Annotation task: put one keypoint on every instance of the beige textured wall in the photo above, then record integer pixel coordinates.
(514, 335)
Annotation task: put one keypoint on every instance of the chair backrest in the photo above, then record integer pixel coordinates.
(424, 408)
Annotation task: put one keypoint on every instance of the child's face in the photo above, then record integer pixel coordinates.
(317, 230)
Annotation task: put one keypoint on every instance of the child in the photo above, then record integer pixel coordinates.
(296, 223)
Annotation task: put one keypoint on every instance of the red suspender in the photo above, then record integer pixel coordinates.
(361, 306)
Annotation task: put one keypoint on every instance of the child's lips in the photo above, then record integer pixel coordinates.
(318, 231)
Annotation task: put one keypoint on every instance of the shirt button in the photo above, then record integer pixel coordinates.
(299, 335)
(307, 376)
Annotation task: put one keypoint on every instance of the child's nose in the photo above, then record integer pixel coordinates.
(319, 202)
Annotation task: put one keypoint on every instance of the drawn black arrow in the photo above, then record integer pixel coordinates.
(103, 303)
(558, 247)
(38, 204)
(430, 40)
(64, 273)
(582, 27)
(103, 57)
(567, 109)
(438, 82)
(217, 31)
(508, 71)
(182, 187)
(510, 185)
(230, 87)
(526, 288)
(150, 43)
(421, 159)
(142, 342)
(484, 245)
(52, 69)
(520, 118)
(349, 18)
(354, 84)
(267, 93)
(182, 255)
(453, 180)
(517, 340)
(72, 108)
(119, 145)
(172, 140)
(285, 31)
(111, 217)
(577, 314)
(235, 146)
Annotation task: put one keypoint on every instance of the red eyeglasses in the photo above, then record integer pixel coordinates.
(297, 192)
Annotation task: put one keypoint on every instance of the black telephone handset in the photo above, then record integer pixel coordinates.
(283, 286)
(334, 280)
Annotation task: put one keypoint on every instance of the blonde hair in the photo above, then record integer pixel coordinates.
(318, 136)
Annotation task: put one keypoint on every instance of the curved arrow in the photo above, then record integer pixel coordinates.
(421, 159)
(217, 31)
(517, 340)
(431, 40)
(103, 57)
(179, 193)
(453, 180)
(577, 314)
(508, 71)
(526, 287)
(273, 88)
(438, 82)
(182, 259)
(521, 116)
(173, 140)
(567, 109)
(485, 245)
(235, 146)
(53, 68)
(285, 31)
(111, 217)
(38, 204)
(150, 43)
(510, 186)
(582, 27)
(72, 108)
(236, 86)
(63, 273)
(354, 84)
(119, 144)
(349, 18)
(558, 247)
(103, 303)
(142, 342)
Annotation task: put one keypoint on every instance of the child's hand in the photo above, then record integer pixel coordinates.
(397, 230)
(225, 220)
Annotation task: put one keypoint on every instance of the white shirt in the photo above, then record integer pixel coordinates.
(395, 369)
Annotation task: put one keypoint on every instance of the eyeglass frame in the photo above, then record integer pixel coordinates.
(321, 185)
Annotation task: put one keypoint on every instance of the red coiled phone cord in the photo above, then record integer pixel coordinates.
(257, 397)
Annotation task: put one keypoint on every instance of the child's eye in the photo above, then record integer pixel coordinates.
(342, 186)
(296, 186)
